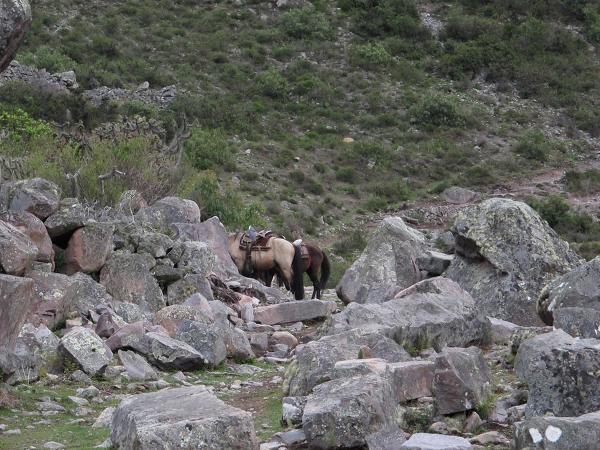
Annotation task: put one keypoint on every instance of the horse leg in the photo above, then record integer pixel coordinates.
(314, 277)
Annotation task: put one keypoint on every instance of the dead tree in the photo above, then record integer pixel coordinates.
(73, 178)
(102, 178)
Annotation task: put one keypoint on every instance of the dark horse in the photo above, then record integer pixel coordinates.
(316, 264)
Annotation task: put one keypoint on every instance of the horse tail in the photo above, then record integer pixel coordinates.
(325, 271)
(297, 274)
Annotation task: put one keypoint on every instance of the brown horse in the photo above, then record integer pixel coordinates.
(315, 263)
(277, 256)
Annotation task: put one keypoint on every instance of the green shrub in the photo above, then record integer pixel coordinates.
(375, 204)
(346, 174)
(587, 182)
(435, 110)
(479, 176)
(19, 125)
(370, 55)
(47, 58)
(215, 200)
(272, 84)
(533, 145)
(306, 23)
(209, 149)
(393, 191)
(592, 23)
(352, 243)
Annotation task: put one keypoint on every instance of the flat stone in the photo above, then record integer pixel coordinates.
(293, 311)
(428, 441)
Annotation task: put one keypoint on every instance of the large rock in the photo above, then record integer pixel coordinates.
(387, 265)
(292, 312)
(86, 349)
(84, 294)
(461, 380)
(459, 196)
(198, 258)
(572, 301)
(171, 317)
(70, 216)
(17, 251)
(35, 348)
(88, 248)
(127, 278)
(411, 379)
(16, 300)
(127, 336)
(167, 211)
(188, 417)
(34, 229)
(316, 360)
(212, 232)
(15, 20)
(205, 338)
(505, 255)
(434, 312)
(168, 353)
(561, 373)
(181, 290)
(136, 367)
(37, 196)
(559, 433)
(429, 441)
(342, 413)
(50, 307)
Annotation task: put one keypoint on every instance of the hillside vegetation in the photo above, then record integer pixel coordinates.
(311, 116)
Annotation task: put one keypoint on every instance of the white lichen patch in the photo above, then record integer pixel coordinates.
(553, 433)
(536, 436)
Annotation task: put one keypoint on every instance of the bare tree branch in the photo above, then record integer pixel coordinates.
(102, 178)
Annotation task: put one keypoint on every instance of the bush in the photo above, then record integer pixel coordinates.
(272, 84)
(209, 149)
(352, 243)
(346, 174)
(306, 23)
(19, 125)
(395, 190)
(587, 182)
(370, 55)
(204, 189)
(435, 110)
(533, 146)
(47, 58)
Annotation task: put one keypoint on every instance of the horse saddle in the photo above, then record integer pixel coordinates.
(260, 243)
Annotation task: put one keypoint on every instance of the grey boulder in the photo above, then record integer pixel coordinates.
(36, 195)
(136, 367)
(505, 255)
(387, 265)
(86, 349)
(572, 301)
(561, 373)
(189, 417)
(168, 353)
(167, 211)
(429, 441)
(17, 251)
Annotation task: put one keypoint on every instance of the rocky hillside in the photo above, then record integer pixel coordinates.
(310, 117)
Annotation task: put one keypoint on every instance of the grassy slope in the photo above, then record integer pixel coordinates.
(505, 90)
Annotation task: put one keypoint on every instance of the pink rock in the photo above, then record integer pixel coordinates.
(285, 338)
(34, 228)
(88, 248)
(17, 251)
(16, 300)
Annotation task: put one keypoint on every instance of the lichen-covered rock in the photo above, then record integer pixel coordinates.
(386, 266)
(212, 232)
(561, 373)
(38, 196)
(167, 211)
(50, 307)
(435, 311)
(559, 433)
(430, 441)
(168, 353)
(179, 291)
(34, 348)
(155, 244)
(205, 338)
(505, 255)
(15, 20)
(461, 380)
(17, 251)
(572, 301)
(170, 317)
(70, 216)
(136, 367)
(316, 360)
(459, 196)
(198, 257)
(34, 229)
(189, 417)
(342, 413)
(88, 248)
(85, 294)
(86, 349)
(127, 278)
(292, 312)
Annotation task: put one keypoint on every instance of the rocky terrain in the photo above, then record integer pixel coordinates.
(129, 327)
